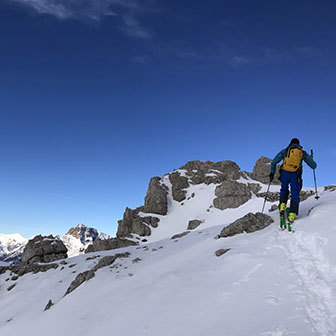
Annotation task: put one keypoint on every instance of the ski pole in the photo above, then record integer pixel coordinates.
(317, 196)
(266, 196)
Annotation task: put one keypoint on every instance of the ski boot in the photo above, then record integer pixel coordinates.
(282, 210)
(291, 218)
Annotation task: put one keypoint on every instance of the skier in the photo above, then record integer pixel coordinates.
(291, 174)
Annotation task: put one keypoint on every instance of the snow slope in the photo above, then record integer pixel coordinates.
(270, 283)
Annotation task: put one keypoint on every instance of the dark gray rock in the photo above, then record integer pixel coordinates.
(306, 194)
(273, 208)
(179, 183)
(80, 279)
(180, 235)
(89, 274)
(220, 252)
(49, 305)
(262, 169)
(152, 221)
(330, 187)
(270, 196)
(156, 197)
(275, 196)
(231, 194)
(109, 244)
(254, 187)
(211, 172)
(193, 224)
(11, 287)
(44, 250)
(133, 223)
(249, 223)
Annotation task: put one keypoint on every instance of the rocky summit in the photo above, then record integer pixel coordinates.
(230, 187)
(79, 237)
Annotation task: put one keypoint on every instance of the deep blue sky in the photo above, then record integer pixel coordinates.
(99, 96)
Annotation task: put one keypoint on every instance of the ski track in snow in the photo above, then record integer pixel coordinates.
(317, 277)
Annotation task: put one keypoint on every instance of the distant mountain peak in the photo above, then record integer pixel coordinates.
(79, 237)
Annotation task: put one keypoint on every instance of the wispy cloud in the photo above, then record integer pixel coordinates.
(143, 59)
(239, 61)
(93, 11)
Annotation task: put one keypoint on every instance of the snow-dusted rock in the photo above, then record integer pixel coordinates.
(179, 184)
(193, 224)
(156, 198)
(249, 223)
(44, 250)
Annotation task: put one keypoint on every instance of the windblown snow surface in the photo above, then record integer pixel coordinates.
(270, 283)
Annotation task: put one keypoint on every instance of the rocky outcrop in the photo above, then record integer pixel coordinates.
(132, 223)
(254, 187)
(44, 250)
(89, 274)
(211, 172)
(275, 196)
(156, 198)
(193, 224)
(180, 235)
(109, 244)
(80, 279)
(23, 269)
(261, 171)
(231, 194)
(179, 183)
(249, 223)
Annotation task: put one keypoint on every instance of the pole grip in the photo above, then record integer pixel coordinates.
(311, 154)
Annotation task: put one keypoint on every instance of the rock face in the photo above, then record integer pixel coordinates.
(44, 250)
(156, 198)
(249, 223)
(261, 171)
(109, 244)
(132, 223)
(179, 183)
(231, 194)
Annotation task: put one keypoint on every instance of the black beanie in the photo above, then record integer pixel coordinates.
(295, 141)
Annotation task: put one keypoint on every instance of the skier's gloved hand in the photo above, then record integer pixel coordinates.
(271, 176)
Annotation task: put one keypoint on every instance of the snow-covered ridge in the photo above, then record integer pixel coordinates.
(280, 283)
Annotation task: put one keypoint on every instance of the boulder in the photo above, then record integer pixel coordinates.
(193, 224)
(44, 250)
(231, 194)
(261, 171)
(180, 235)
(156, 198)
(220, 252)
(109, 244)
(249, 223)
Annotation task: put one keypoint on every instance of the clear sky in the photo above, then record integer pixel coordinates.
(98, 96)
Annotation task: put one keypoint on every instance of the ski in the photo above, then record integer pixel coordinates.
(284, 222)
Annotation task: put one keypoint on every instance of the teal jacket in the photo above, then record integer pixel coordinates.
(281, 155)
